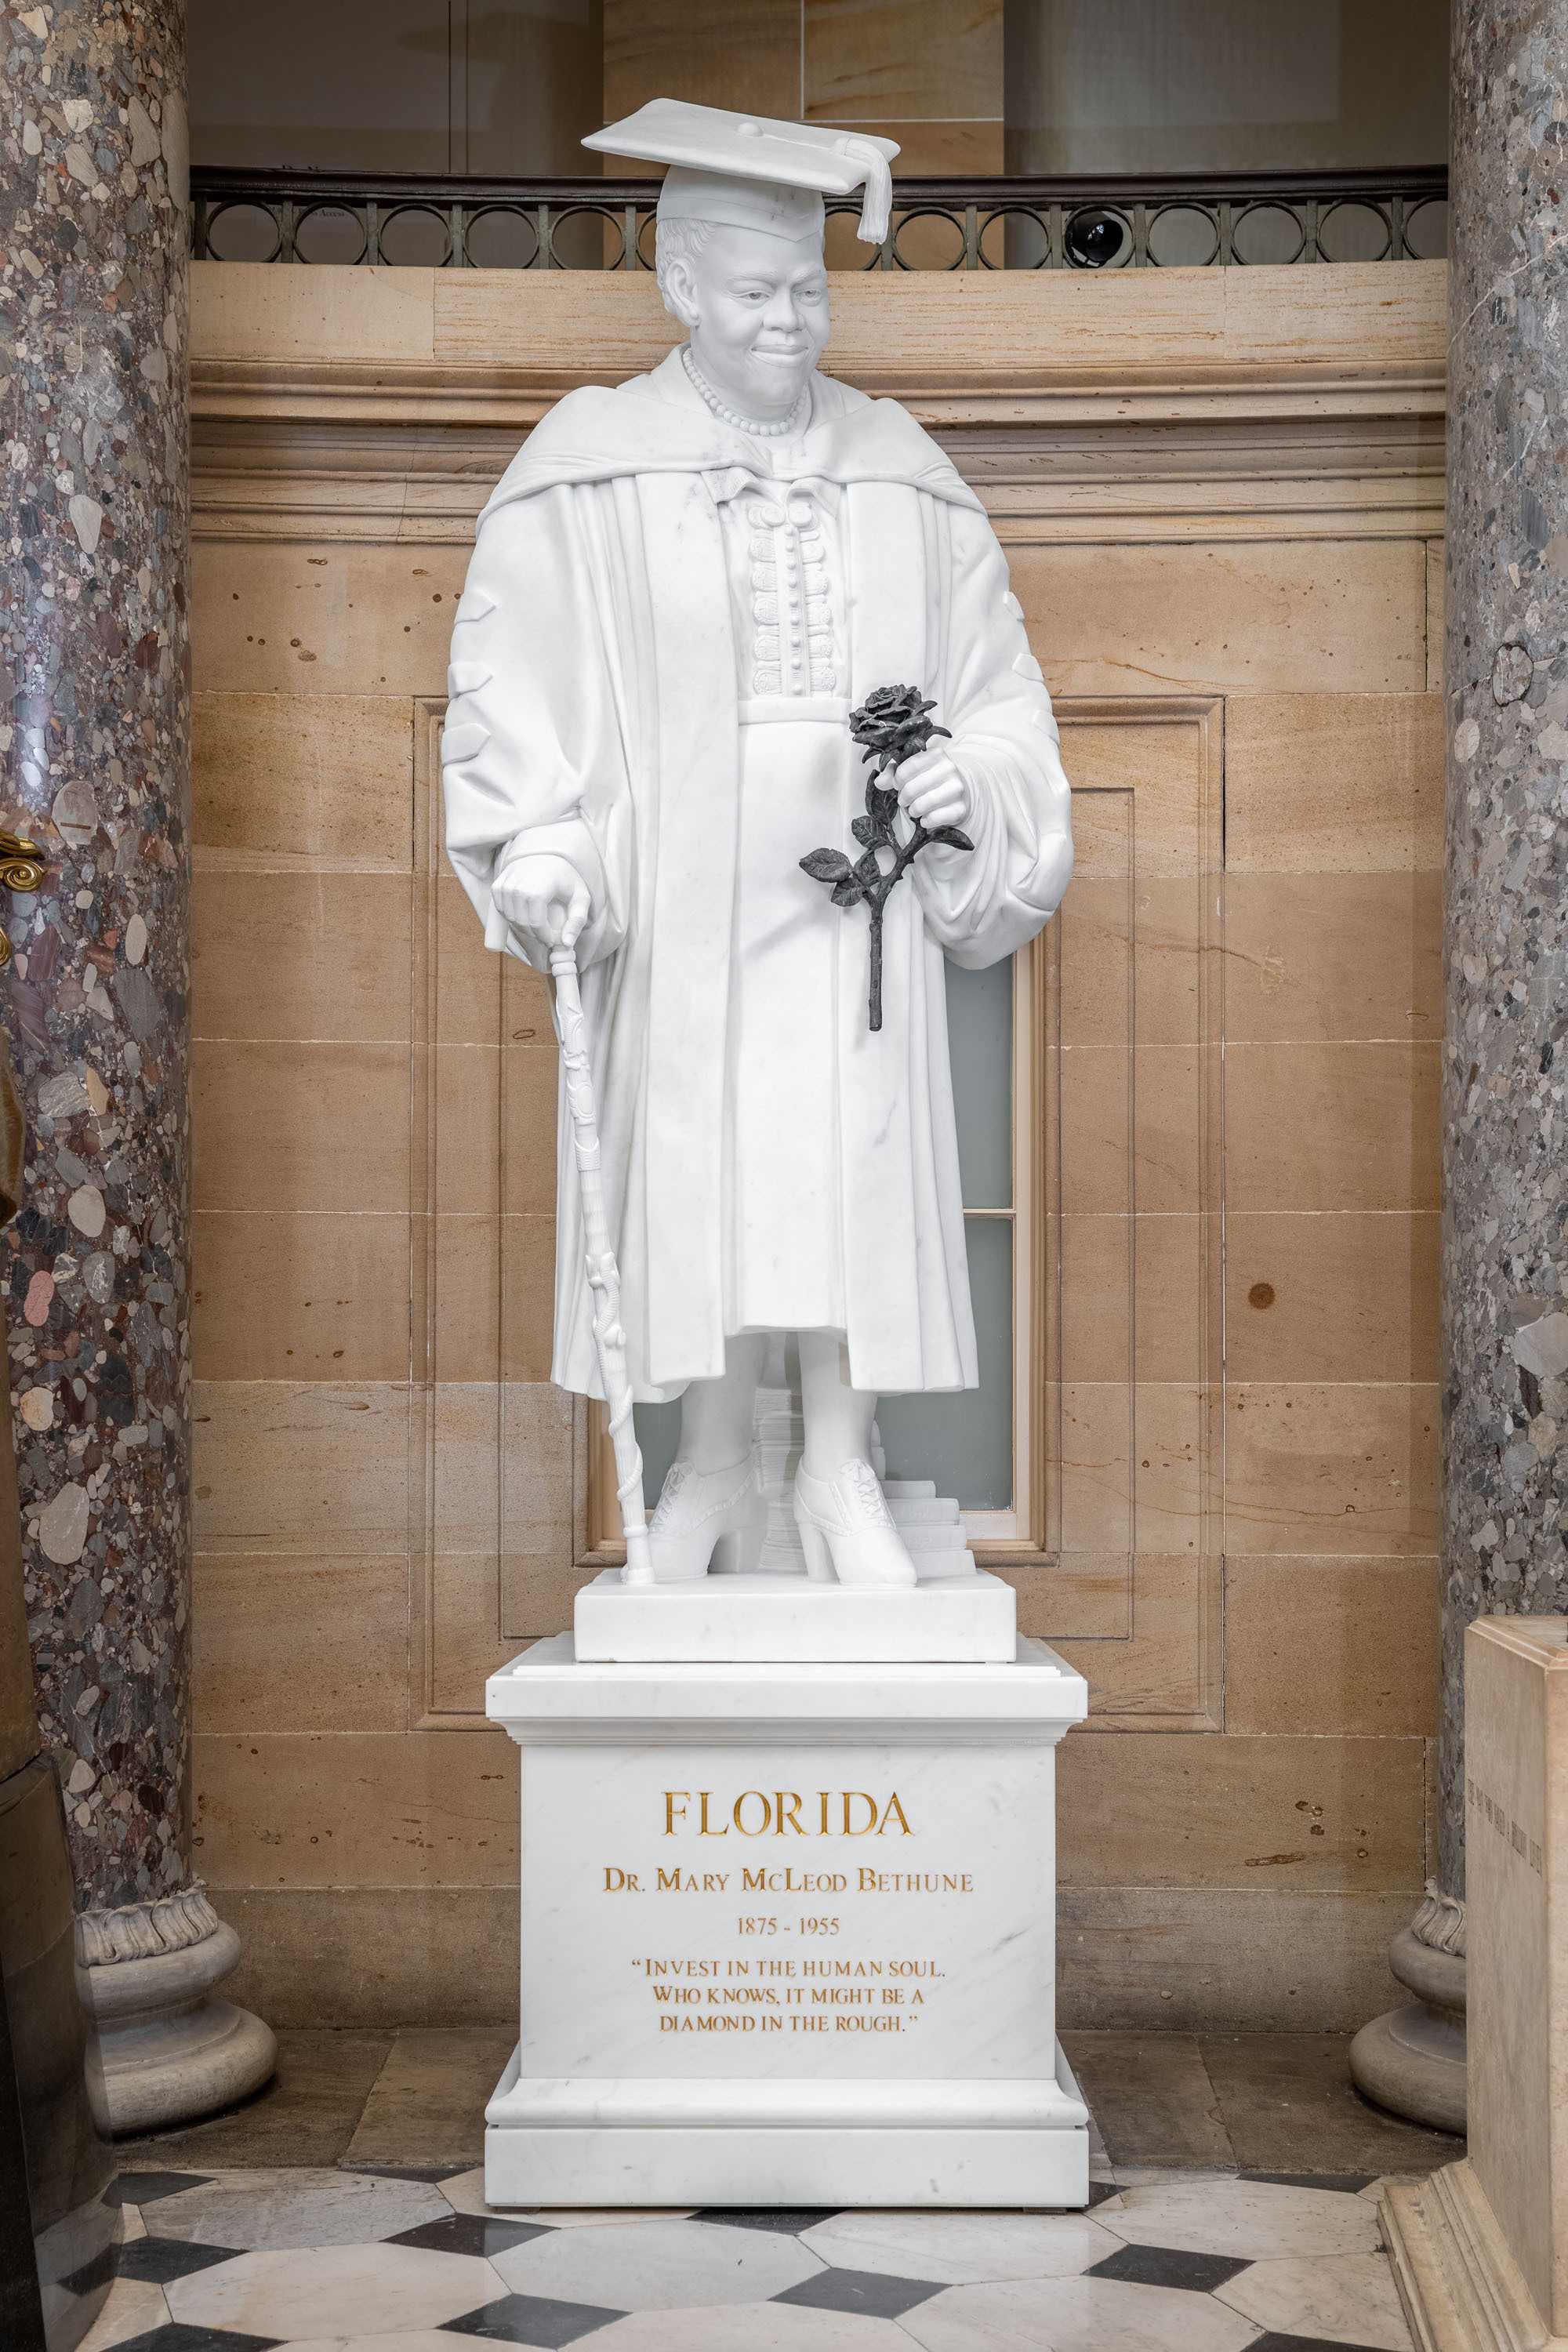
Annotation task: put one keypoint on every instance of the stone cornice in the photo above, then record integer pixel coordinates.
(1246, 403)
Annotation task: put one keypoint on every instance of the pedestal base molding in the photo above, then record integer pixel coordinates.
(1461, 2288)
(167, 2052)
(991, 2145)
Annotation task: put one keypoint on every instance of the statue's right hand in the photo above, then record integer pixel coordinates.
(545, 897)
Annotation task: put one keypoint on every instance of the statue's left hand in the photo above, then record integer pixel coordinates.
(931, 790)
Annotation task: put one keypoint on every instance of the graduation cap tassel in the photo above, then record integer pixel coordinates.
(877, 205)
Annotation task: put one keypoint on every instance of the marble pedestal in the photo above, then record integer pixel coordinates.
(1480, 2250)
(788, 1936)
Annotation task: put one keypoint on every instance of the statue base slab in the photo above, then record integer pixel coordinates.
(788, 1935)
(966, 1620)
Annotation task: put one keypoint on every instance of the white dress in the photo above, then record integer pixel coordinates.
(784, 1256)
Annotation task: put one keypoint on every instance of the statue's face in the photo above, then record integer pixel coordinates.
(756, 309)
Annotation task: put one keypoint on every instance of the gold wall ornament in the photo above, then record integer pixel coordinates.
(22, 867)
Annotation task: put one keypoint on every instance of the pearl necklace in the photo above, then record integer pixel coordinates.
(732, 416)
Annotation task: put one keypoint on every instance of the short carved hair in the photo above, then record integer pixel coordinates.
(677, 240)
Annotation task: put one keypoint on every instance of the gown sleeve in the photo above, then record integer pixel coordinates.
(984, 904)
(532, 754)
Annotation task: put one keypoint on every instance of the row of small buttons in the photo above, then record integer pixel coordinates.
(790, 600)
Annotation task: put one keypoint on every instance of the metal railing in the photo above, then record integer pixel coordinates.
(1171, 220)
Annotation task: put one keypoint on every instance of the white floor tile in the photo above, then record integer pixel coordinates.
(1169, 2176)
(1348, 2298)
(464, 2192)
(255, 2211)
(963, 2249)
(1081, 2314)
(334, 2291)
(1250, 2219)
(420, 2339)
(752, 2327)
(657, 2265)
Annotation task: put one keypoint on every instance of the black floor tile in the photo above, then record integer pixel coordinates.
(147, 2188)
(788, 2220)
(1099, 2190)
(1168, 2266)
(469, 2234)
(162, 2259)
(870, 2292)
(1305, 2344)
(1350, 2183)
(532, 2319)
(434, 2174)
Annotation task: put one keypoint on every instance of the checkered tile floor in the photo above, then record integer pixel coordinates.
(415, 2262)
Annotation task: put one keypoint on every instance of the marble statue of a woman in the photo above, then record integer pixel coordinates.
(679, 590)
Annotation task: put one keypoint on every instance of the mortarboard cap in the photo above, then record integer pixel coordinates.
(747, 171)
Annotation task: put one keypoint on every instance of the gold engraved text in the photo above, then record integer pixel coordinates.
(761, 1813)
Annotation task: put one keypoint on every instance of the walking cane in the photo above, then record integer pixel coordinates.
(604, 1273)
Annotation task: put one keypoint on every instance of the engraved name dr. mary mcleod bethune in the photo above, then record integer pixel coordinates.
(680, 590)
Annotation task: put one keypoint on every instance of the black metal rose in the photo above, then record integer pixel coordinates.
(892, 726)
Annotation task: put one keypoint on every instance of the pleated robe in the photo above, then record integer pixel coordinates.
(593, 713)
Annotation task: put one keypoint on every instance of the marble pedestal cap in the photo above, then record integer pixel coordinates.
(966, 1620)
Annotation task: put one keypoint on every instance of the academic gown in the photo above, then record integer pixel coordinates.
(593, 712)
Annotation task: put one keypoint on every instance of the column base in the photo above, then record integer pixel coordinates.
(1412, 2060)
(167, 2052)
(1461, 2288)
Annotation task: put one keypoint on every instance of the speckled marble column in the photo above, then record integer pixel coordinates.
(1505, 679)
(96, 727)
(1505, 1125)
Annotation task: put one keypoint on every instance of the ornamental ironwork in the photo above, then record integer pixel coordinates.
(1171, 221)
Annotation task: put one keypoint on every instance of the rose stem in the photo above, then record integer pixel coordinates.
(875, 965)
(903, 858)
